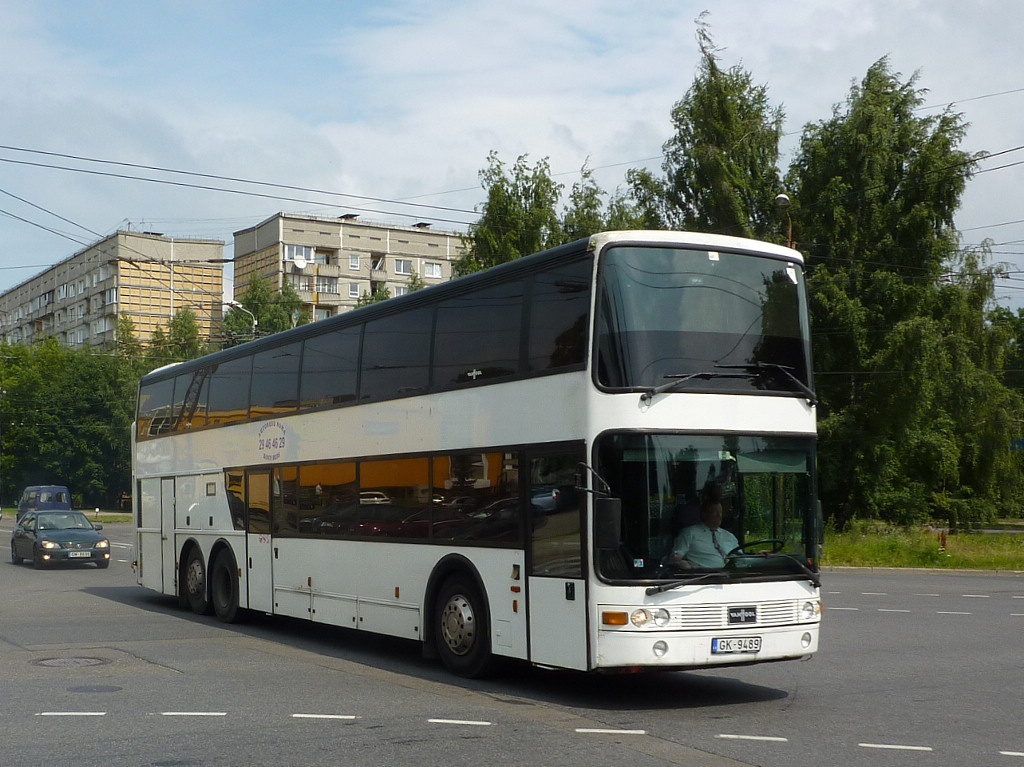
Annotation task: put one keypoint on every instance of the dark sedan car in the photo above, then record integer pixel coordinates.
(48, 537)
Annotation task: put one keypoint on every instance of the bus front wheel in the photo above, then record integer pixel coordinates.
(195, 582)
(224, 587)
(461, 628)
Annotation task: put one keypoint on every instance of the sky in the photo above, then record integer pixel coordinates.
(389, 108)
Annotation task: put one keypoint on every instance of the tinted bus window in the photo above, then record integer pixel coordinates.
(559, 307)
(190, 395)
(394, 498)
(229, 390)
(275, 380)
(330, 368)
(155, 408)
(396, 355)
(477, 335)
(477, 498)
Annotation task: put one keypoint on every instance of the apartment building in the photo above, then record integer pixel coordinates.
(143, 275)
(332, 262)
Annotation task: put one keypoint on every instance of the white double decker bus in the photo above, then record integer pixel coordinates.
(511, 463)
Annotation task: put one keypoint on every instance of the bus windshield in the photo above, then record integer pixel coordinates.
(753, 492)
(724, 322)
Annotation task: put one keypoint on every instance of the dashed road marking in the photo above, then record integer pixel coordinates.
(193, 713)
(895, 747)
(609, 731)
(324, 716)
(464, 722)
(72, 713)
(763, 738)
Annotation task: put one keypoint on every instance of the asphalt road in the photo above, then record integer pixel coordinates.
(914, 669)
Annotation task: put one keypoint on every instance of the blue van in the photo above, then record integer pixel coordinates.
(43, 497)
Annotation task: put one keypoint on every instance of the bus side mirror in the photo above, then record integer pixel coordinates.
(607, 522)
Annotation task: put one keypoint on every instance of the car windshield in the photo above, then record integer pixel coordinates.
(755, 492)
(69, 520)
(711, 321)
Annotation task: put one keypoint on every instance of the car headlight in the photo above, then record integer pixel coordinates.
(104, 544)
(50, 544)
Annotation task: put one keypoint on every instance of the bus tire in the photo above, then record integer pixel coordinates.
(224, 587)
(194, 582)
(461, 627)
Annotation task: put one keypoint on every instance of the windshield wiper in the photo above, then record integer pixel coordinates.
(761, 367)
(707, 577)
(680, 378)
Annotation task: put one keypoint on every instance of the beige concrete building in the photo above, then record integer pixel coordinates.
(332, 262)
(145, 276)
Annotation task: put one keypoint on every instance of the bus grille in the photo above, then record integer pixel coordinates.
(704, 617)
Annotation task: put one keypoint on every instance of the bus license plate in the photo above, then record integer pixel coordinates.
(79, 553)
(735, 645)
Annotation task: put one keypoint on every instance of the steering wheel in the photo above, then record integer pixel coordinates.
(777, 544)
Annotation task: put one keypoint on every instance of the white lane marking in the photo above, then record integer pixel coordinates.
(1017, 615)
(895, 747)
(926, 595)
(766, 738)
(72, 713)
(977, 596)
(467, 722)
(874, 594)
(1011, 753)
(950, 612)
(1018, 597)
(884, 610)
(600, 731)
(854, 609)
(193, 713)
(323, 716)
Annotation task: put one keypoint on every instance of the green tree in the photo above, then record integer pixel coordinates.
(584, 215)
(912, 423)
(518, 218)
(721, 165)
(66, 420)
(380, 293)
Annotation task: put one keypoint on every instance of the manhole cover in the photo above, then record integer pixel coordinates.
(70, 662)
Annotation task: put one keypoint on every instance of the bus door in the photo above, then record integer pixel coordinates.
(259, 546)
(155, 542)
(556, 588)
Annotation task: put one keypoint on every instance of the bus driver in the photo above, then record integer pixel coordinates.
(705, 544)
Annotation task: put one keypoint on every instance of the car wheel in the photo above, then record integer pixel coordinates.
(224, 587)
(102, 564)
(14, 556)
(194, 584)
(461, 628)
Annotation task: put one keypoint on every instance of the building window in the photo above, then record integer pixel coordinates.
(353, 290)
(301, 252)
(301, 282)
(401, 290)
(353, 262)
(403, 266)
(320, 314)
(432, 270)
(326, 284)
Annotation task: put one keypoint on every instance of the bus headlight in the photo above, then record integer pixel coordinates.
(809, 611)
(658, 616)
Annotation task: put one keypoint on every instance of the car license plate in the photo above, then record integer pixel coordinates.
(79, 554)
(735, 645)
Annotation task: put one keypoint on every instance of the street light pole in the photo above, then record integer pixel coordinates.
(782, 205)
(252, 316)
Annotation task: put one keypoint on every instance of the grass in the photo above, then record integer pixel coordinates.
(103, 516)
(866, 545)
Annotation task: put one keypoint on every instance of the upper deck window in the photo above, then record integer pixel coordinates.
(735, 322)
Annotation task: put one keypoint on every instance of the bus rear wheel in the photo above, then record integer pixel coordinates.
(224, 587)
(461, 628)
(194, 582)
